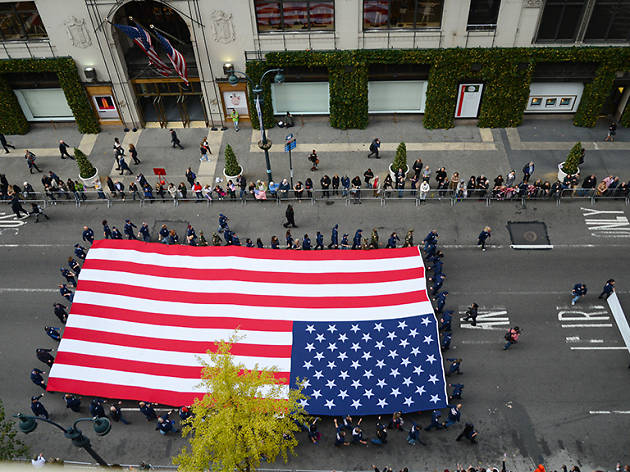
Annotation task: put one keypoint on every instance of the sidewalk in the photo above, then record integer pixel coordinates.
(466, 148)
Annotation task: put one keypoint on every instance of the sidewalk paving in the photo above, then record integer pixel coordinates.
(464, 148)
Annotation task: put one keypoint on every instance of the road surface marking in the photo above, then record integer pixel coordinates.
(609, 412)
(601, 325)
(488, 319)
(601, 348)
(6, 289)
(577, 339)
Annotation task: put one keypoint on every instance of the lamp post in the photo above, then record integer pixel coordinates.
(264, 143)
(102, 426)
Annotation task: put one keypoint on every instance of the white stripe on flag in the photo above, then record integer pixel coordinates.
(253, 312)
(253, 288)
(275, 338)
(165, 357)
(133, 379)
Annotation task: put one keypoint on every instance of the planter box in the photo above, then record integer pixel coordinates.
(232, 177)
(90, 181)
(392, 173)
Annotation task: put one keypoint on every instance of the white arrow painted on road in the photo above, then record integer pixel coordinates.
(490, 320)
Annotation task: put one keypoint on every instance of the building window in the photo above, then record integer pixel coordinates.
(609, 21)
(483, 14)
(560, 20)
(20, 20)
(402, 14)
(291, 15)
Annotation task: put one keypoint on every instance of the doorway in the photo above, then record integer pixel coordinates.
(168, 100)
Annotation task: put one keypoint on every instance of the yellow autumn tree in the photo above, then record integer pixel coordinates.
(247, 416)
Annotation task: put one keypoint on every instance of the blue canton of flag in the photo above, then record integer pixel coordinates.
(369, 367)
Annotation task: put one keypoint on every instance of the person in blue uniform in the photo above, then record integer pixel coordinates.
(163, 234)
(223, 222)
(446, 341)
(147, 410)
(454, 415)
(306, 243)
(37, 378)
(392, 241)
(128, 229)
(413, 436)
(74, 266)
(319, 241)
(435, 421)
(456, 394)
(446, 321)
(438, 281)
(441, 300)
(334, 238)
(483, 237)
(235, 240)
(356, 241)
(228, 234)
(144, 231)
(275, 242)
(454, 366)
(259, 243)
(65, 292)
(88, 235)
(469, 433)
(69, 276)
(37, 408)
(60, 312)
(79, 251)
(107, 232)
(431, 239)
(53, 332)
(96, 408)
(116, 234)
(73, 402)
(608, 289)
(345, 244)
(250, 243)
(191, 236)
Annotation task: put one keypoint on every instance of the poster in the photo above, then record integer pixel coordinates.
(235, 99)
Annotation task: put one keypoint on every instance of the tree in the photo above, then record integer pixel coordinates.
(231, 164)
(400, 161)
(86, 169)
(570, 166)
(10, 446)
(234, 427)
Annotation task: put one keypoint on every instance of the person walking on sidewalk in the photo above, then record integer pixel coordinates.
(608, 289)
(290, 215)
(203, 150)
(579, 290)
(63, 149)
(528, 170)
(374, 146)
(511, 337)
(612, 131)
(133, 152)
(175, 140)
(30, 161)
(483, 237)
(314, 160)
(4, 143)
(234, 116)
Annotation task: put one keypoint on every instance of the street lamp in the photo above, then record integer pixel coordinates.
(102, 426)
(264, 143)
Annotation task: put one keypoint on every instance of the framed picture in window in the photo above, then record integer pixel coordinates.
(551, 102)
(566, 101)
(536, 101)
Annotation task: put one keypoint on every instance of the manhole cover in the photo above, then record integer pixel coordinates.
(529, 235)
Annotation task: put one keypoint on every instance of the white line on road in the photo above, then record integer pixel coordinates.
(602, 348)
(465, 341)
(608, 412)
(156, 409)
(598, 325)
(6, 289)
(35, 245)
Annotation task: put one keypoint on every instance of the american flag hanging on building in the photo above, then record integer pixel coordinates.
(178, 61)
(139, 36)
(355, 328)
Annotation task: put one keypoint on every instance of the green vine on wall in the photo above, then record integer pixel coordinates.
(505, 72)
(12, 119)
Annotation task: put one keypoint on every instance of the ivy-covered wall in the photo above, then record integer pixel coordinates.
(13, 121)
(505, 72)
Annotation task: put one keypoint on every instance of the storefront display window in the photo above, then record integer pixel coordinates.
(402, 14)
(291, 15)
(19, 21)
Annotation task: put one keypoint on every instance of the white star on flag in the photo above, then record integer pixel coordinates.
(368, 374)
(431, 358)
(433, 379)
(382, 403)
(303, 402)
(381, 383)
(366, 337)
(356, 383)
(332, 346)
(417, 370)
(408, 401)
(405, 361)
(344, 374)
(342, 356)
(394, 373)
(407, 381)
(380, 363)
(310, 328)
(404, 343)
(379, 345)
(305, 383)
(420, 390)
(307, 365)
(330, 384)
(343, 338)
(329, 404)
(355, 364)
(319, 356)
(393, 354)
(356, 404)
(402, 324)
(316, 394)
(391, 335)
(355, 328)
(425, 321)
(331, 328)
(355, 347)
(435, 398)
(331, 364)
(413, 333)
(320, 337)
(309, 347)
(395, 392)
(368, 393)
(366, 355)
(378, 327)
(318, 374)
(343, 394)
(428, 339)
(415, 351)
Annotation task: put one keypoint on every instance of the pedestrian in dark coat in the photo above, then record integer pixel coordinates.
(334, 238)
(471, 314)
(468, 433)
(63, 149)
(45, 356)
(175, 140)
(608, 289)
(5, 145)
(37, 378)
(37, 408)
(290, 215)
(16, 206)
(73, 402)
(483, 237)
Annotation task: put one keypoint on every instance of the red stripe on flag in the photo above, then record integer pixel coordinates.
(200, 322)
(256, 253)
(140, 367)
(122, 392)
(175, 345)
(255, 276)
(240, 299)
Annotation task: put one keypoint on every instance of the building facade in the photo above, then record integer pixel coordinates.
(124, 88)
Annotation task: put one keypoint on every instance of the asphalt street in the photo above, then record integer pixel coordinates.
(541, 401)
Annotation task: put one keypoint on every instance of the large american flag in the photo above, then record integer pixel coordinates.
(139, 36)
(355, 328)
(178, 61)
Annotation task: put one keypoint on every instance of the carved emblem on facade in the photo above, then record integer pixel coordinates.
(533, 3)
(78, 33)
(222, 26)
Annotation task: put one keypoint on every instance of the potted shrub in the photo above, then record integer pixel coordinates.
(87, 172)
(400, 161)
(232, 168)
(571, 165)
